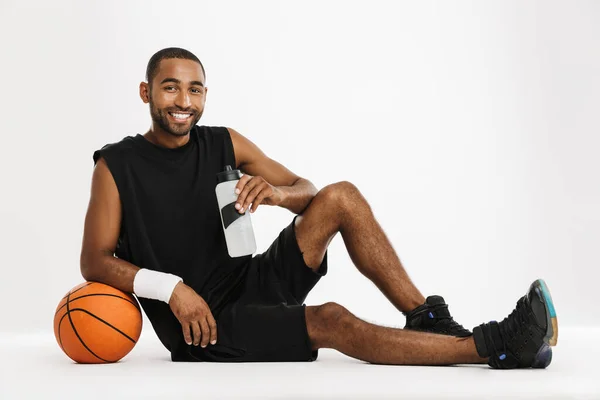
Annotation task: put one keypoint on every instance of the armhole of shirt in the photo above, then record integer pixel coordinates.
(229, 150)
(107, 154)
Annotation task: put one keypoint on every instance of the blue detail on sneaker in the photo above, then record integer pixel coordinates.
(524, 338)
(433, 316)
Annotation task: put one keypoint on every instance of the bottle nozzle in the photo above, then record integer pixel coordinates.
(228, 174)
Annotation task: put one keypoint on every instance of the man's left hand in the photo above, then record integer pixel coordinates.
(255, 190)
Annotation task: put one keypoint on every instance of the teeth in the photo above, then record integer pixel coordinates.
(180, 116)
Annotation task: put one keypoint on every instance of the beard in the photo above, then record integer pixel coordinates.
(160, 117)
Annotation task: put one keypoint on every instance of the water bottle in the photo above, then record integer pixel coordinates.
(239, 234)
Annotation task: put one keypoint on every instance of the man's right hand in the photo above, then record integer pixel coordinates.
(194, 314)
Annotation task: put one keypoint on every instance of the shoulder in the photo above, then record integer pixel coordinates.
(211, 134)
(202, 130)
(237, 138)
(238, 145)
(216, 130)
(246, 151)
(225, 134)
(116, 150)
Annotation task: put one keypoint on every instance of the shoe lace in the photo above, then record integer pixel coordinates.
(447, 321)
(511, 326)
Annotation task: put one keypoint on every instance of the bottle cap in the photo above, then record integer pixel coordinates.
(229, 174)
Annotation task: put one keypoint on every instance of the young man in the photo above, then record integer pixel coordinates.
(153, 228)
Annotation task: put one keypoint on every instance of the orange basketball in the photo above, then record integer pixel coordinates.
(95, 323)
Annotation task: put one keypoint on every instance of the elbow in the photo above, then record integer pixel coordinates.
(310, 187)
(86, 271)
(86, 267)
(312, 192)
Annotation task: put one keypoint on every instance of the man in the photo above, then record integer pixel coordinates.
(153, 228)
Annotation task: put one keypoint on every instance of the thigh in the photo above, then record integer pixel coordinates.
(322, 219)
(260, 332)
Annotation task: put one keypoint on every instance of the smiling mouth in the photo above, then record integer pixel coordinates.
(180, 117)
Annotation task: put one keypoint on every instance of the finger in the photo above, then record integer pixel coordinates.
(197, 332)
(258, 200)
(205, 332)
(213, 329)
(243, 197)
(186, 333)
(246, 185)
(256, 190)
(241, 183)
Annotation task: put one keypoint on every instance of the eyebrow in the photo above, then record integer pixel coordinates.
(175, 80)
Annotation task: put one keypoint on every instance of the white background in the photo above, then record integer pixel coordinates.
(470, 127)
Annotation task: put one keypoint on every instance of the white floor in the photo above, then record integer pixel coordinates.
(33, 366)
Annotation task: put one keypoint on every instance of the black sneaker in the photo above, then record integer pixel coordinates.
(523, 339)
(433, 316)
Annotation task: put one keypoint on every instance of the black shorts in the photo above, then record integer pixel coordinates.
(266, 322)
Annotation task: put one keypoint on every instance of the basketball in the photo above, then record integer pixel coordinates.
(96, 323)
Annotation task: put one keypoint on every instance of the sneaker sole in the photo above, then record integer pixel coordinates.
(543, 358)
(551, 321)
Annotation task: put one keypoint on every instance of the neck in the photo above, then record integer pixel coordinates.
(161, 138)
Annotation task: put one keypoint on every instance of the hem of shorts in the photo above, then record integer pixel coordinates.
(314, 354)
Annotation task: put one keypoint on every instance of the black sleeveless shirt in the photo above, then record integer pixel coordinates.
(171, 221)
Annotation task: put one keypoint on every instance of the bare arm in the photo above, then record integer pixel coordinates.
(101, 232)
(297, 196)
(292, 191)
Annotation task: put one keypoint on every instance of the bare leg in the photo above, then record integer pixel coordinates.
(332, 326)
(342, 208)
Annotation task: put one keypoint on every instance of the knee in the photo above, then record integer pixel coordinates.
(344, 195)
(330, 314)
(324, 322)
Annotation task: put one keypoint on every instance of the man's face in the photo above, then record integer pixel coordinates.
(176, 96)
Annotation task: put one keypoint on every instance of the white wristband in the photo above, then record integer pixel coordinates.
(154, 284)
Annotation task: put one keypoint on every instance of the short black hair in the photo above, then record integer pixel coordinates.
(169, 52)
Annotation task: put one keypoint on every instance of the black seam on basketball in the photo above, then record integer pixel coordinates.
(101, 320)
(67, 295)
(96, 294)
(77, 334)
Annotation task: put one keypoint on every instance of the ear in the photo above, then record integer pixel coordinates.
(145, 92)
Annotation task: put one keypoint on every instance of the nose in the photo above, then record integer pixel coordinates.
(183, 99)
